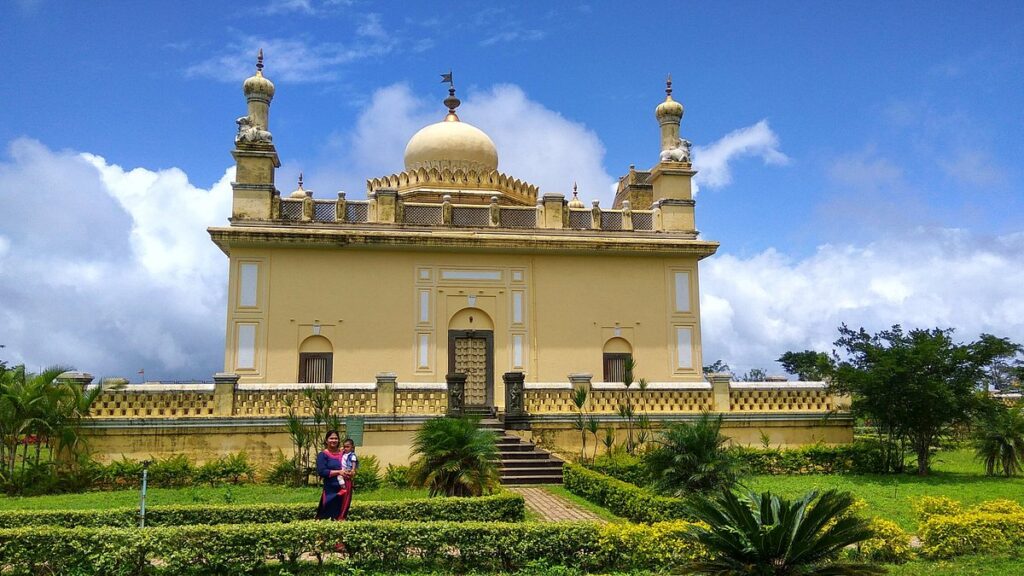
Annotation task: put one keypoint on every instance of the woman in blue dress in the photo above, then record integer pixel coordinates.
(329, 466)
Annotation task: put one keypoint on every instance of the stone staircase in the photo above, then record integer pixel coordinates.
(521, 462)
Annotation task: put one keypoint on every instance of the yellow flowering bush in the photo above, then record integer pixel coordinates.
(889, 544)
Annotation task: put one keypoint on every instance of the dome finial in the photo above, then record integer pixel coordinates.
(259, 62)
(575, 202)
(451, 101)
(300, 180)
(668, 86)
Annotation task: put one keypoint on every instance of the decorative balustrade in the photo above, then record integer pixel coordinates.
(460, 215)
(385, 397)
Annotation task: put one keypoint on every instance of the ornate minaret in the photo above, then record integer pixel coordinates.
(671, 178)
(255, 155)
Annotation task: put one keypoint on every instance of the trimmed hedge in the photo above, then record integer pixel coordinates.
(505, 507)
(622, 498)
(947, 529)
(391, 545)
(860, 457)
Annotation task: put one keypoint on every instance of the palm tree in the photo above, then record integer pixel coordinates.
(999, 441)
(579, 400)
(456, 458)
(764, 535)
(691, 458)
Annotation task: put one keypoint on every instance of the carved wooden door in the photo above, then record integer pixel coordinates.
(471, 353)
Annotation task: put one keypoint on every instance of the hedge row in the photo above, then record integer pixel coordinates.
(947, 529)
(505, 507)
(860, 457)
(622, 498)
(391, 545)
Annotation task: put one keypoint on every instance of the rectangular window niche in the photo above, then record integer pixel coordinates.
(517, 307)
(423, 351)
(682, 291)
(424, 306)
(684, 348)
(471, 275)
(245, 351)
(517, 350)
(248, 276)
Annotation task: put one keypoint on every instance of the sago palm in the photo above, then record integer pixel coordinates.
(455, 458)
(691, 457)
(764, 535)
(1000, 442)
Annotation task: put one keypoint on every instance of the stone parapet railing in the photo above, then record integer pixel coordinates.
(387, 397)
(552, 213)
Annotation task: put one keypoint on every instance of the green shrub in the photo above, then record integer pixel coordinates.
(368, 477)
(890, 544)
(860, 457)
(171, 472)
(504, 507)
(397, 476)
(282, 472)
(621, 498)
(230, 469)
(928, 506)
(625, 467)
(238, 549)
(970, 533)
(123, 473)
(691, 457)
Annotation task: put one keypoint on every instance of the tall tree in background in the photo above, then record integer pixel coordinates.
(914, 385)
(809, 366)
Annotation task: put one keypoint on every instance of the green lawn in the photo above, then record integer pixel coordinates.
(955, 474)
(241, 494)
(603, 513)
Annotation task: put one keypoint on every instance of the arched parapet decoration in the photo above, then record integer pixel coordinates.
(471, 319)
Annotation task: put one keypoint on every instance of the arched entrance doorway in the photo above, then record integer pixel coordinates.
(471, 352)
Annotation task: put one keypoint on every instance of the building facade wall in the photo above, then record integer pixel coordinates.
(390, 311)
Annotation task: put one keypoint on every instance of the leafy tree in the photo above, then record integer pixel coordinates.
(764, 535)
(755, 375)
(914, 385)
(999, 441)
(717, 367)
(691, 457)
(809, 366)
(455, 458)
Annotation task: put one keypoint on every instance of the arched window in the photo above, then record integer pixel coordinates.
(616, 352)
(316, 360)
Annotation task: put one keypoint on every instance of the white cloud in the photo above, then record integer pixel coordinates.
(530, 35)
(108, 269)
(292, 59)
(755, 309)
(713, 160)
(974, 168)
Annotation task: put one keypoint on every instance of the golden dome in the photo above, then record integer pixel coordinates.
(669, 109)
(451, 144)
(257, 85)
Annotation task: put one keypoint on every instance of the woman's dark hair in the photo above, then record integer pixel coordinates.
(328, 435)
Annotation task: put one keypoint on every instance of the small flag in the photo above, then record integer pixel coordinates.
(447, 78)
(142, 372)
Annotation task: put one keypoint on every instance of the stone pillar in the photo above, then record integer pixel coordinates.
(386, 206)
(516, 417)
(446, 210)
(673, 191)
(495, 212)
(595, 215)
(307, 206)
(720, 391)
(340, 212)
(224, 385)
(555, 212)
(386, 382)
(583, 380)
(627, 216)
(456, 393)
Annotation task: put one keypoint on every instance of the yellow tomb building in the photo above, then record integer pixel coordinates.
(456, 287)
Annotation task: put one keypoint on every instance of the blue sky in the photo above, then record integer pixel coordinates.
(860, 163)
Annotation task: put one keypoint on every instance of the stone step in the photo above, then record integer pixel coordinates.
(514, 480)
(525, 456)
(540, 471)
